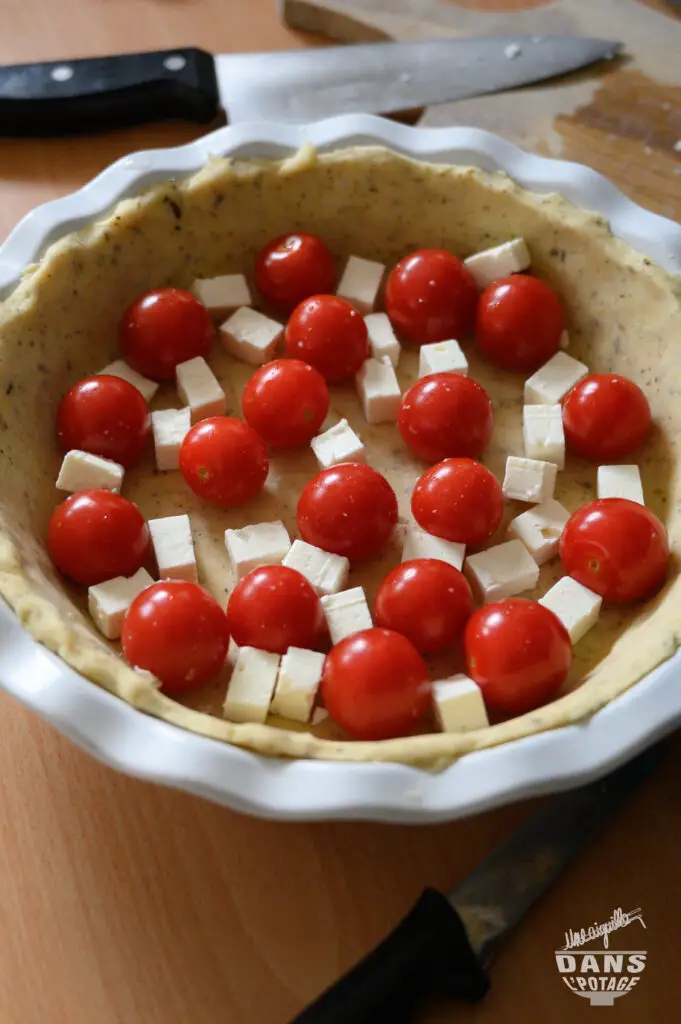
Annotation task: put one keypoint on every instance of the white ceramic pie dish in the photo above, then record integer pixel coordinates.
(146, 747)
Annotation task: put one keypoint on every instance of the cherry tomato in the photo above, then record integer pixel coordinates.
(105, 416)
(459, 500)
(519, 322)
(286, 402)
(329, 334)
(163, 328)
(178, 632)
(375, 685)
(349, 509)
(275, 608)
(430, 296)
(518, 652)
(606, 417)
(224, 461)
(617, 548)
(292, 268)
(94, 536)
(446, 414)
(426, 600)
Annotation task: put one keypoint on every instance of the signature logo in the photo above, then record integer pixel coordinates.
(601, 975)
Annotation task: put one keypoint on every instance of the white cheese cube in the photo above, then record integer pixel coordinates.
(171, 537)
(251, 687)
(564, 341)
(442, 357)
(198, 388)
(338, 444)
(458, 705)
(529, 479)
(221, 295)
(420, 544)
(576, 606)
(346, 613)
(543, 433)
(491, 264)
(300, 674)
(540, 529)
(253, 546)
(319, 715)
(328, 573)
(502, 571)
(119, 368)
(81, 471)
(360, 283)
(169, 427)
(379, 391)
(382, 337)
(108, 602)
(552, 381)
(250, 336)
(620, 482)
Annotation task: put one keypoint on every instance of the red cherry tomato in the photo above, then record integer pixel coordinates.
(616, 548)
(430, 296)
(459, 500)
(94, 536)
(426, 600)
(163, 328)
(329, 334)
(519, 322)
(446, 414)
(105, 416)
(518, 652)
(375, 685)
(178, 632)
(606, 417)
(349, 509)
(275, 608)
(286, 402)
(292, 268)
(224, 461)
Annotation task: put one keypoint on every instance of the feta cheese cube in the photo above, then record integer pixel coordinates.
(502, 571)
(540, 529)
(253, 546)
(338, 444)
(81, 471)
(346, 613)
(420, 544)
(250, 336)
(108, 602)
(564, 340)
(169, 427)
(198, 388)
(552, 381)
(529, 479)
(620, 482)
(576, 606)
(543, 433)
(328, 573)
(491, 264)
(442, 357)
(382, 337)
(379, 391)
(119, 368)
(300, 674)
(171, 537)
(360, 283)
(458, 705)
(221, 295)
(252, 684)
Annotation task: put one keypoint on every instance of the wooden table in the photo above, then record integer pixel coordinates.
(124, 903)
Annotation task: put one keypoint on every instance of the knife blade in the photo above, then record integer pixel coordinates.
(99, 93)
(444, 944)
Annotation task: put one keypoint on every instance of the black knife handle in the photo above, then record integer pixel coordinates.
(428, 954)
(73, 96)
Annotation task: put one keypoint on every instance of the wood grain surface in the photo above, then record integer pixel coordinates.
(124, 903)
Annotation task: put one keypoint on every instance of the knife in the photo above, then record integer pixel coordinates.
(444, 944)
(98, 93)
